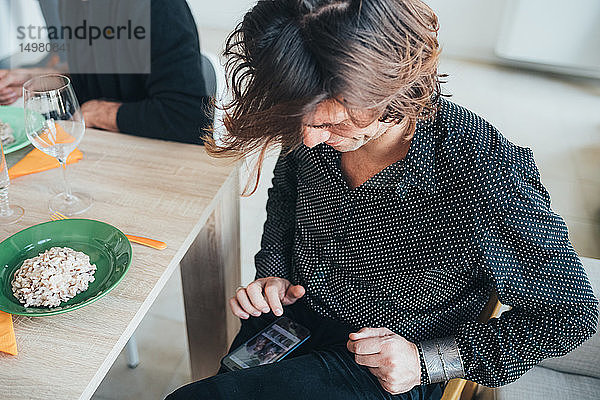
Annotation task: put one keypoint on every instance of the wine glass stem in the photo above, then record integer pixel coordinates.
(63, 167)
(5, 210)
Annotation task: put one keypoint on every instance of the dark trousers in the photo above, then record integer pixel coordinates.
(321, 369)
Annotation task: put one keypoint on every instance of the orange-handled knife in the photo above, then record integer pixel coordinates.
(156, 244)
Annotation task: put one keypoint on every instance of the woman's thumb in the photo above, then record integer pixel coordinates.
(295, 292)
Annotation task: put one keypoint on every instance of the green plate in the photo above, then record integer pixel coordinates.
(15, 117)
(106, 246)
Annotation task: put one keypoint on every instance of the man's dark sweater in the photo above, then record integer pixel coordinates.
(169, 103)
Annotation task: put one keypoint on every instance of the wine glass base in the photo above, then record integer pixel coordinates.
(75, 204)
(15, 214)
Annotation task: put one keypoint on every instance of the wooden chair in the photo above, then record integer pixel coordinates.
(462, 389)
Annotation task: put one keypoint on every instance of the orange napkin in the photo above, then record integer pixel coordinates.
(36, 161)
(8, 343)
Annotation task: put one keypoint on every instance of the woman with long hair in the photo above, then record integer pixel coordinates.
(394, 214)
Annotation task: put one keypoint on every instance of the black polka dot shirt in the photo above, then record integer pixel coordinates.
(419, 247)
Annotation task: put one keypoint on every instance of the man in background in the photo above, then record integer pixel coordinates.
(170, 102)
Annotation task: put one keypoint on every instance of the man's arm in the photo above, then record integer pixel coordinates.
(176, 104)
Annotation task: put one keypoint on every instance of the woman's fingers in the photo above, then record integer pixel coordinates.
(370, 345)
(265, 295)
(370, 332)
(255, 293)
(273, 293)
(244, 302)
(292, 294)
(237, 310)
(371, 360)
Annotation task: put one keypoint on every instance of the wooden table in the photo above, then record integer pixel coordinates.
(168, 191)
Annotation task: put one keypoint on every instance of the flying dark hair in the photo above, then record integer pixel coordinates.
(377, 57)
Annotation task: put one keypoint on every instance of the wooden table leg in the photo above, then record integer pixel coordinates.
(210, 274)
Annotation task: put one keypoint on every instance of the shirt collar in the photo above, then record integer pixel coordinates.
(419, 163)
(416, 169)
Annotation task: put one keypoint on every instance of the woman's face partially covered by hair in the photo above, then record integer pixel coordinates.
(328, 71)
(331, 124)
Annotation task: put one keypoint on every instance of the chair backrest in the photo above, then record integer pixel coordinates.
(214, 79)
(210, 75)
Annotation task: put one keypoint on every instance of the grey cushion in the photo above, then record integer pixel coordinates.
(545, 384)
(584, 360)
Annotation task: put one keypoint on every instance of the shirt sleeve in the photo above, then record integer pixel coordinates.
(176, 104)
(528, 259)
(275, 255)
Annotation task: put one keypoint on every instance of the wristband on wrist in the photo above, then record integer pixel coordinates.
(442, 359)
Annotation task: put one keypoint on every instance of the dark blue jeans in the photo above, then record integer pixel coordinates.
(321, 369)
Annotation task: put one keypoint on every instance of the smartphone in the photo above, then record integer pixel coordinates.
(270, 345)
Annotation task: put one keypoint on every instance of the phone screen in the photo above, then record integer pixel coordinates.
(270, 345)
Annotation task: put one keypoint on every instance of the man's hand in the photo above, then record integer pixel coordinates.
(265, 295)
(391, 358)
(101, 114)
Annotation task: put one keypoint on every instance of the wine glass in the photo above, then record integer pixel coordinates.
(54, 124)
(8, 214)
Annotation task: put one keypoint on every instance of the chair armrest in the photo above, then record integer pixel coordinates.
(454, 389)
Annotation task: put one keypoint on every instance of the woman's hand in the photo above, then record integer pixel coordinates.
(265, 295)
(391, 358)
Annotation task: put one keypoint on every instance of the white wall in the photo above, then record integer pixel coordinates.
(219, 14)
(547, 34)
(469, 28)
(14, 13)
(565, 35)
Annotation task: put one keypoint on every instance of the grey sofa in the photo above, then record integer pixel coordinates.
(574, 376)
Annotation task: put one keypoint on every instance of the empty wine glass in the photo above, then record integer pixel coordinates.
(54, 124)
(8, 214)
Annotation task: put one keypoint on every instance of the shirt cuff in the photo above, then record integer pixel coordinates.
(424, 376)
(442, 360)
